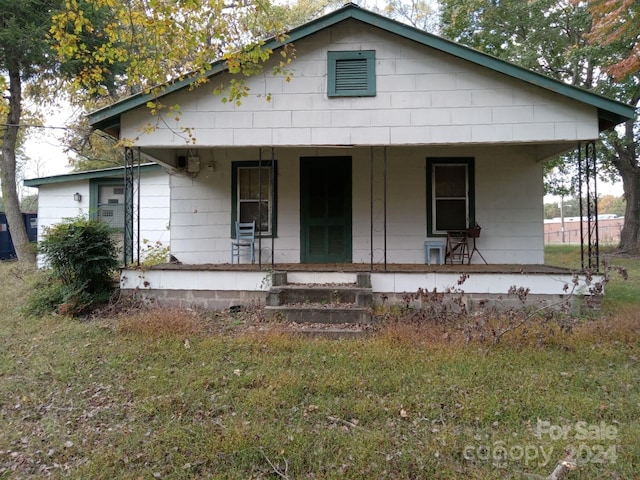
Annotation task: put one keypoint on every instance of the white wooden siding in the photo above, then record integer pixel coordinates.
(55, 203)
(155, 204)
(423, 97)
(508, 205)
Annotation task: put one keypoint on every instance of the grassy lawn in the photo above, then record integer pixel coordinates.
(619, 293)
(158, 395)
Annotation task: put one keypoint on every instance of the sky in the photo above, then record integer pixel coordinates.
(44, 146)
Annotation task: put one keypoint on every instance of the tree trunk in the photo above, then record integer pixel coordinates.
(627, 165)
(24, 250)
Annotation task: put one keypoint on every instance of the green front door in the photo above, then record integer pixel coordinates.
(325, 209)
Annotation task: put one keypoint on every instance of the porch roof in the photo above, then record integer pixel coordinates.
(610, 112)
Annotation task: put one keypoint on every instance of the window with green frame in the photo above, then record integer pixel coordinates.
(351, 73)
(450, 194)
(253, 190)
(106, 202)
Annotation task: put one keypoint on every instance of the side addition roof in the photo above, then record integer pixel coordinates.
(610, 112)
(114, 172)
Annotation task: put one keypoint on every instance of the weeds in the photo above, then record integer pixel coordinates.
(154, 253)
(451, 314)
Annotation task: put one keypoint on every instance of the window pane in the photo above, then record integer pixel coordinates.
(451, 214)
(450, 180)
(249, 213)
(248, 183)
(245, 183)
(112, 214)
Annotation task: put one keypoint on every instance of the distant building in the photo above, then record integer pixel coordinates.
(609, 228)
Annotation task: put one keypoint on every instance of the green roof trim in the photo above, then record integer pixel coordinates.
(610, 112)
(114, 172)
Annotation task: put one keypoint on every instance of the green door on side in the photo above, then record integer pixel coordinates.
(325, 210)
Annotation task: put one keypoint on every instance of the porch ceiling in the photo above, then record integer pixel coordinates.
(167, 156)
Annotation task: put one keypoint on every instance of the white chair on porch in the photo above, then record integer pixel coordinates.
(245, 238)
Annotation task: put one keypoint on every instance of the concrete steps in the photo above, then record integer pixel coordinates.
(342, 307)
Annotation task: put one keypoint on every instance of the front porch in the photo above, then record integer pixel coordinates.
(221, 286)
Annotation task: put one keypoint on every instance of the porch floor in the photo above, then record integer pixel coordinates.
(366, 267)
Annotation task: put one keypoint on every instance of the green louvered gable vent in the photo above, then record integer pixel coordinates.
(351, 74)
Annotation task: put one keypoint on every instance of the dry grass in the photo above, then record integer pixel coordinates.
(623, 327)
(157, 322)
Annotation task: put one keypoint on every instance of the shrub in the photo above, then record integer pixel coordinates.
(81, 257)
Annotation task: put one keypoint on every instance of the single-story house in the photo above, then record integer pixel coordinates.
(386, 138)
(100, 194)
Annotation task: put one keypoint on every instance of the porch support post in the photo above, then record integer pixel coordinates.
(259, 223)
(385, 208)
(588, 198)
(273, 193)
(131, 240)
(371, 206)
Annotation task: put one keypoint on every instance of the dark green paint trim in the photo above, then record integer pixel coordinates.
(115, 172)
(335, 164)
(471, 193)
(616, 112)
(94, 185)
(369, 87)
(234, 194)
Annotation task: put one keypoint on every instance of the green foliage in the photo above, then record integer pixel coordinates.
(23, 36)
(145, 43)
(80, 252)
(154, 253)
(82, 258)
(92, 149)
(49, 295)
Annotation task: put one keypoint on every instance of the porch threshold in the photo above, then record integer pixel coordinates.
(367, 267)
